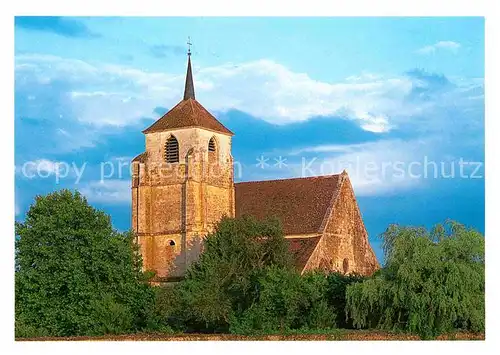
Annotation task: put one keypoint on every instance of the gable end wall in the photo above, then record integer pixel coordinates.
(344, 237)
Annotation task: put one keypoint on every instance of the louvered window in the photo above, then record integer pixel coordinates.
(211, 145)
(172, 150)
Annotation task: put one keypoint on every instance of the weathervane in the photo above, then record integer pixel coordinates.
(189, 45)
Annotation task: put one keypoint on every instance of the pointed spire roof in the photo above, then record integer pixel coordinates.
(188, 112)
(189, 86)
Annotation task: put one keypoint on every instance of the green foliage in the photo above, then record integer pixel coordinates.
(433, 282)
(158, 317)
(336, 295)
(286, 301)
(75, 275)
(23, 330)
(222, 283)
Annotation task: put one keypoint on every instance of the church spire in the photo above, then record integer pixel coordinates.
(189, 87)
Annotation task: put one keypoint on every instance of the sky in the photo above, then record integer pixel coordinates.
(397, 102)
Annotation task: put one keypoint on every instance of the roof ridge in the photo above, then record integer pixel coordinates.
(293, 178)
(335, 195)
(166, 113)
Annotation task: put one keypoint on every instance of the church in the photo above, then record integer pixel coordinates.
(183, 184)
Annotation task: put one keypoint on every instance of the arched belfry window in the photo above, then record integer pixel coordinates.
(212, 145)
(172, 150)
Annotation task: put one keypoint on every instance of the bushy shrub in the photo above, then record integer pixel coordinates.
(433, 282)
(113, 317)
(76, 275)
(336, 295)
(23, 330)
(285, 301)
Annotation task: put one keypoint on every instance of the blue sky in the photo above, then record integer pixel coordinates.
(322, 93)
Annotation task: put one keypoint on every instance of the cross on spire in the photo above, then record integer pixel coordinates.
(189, 45)
(189, 87)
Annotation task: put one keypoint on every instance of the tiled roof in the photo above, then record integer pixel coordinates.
(301, 250)
(187, 113)
(301, 204)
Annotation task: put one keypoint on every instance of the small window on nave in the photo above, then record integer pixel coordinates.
(345, 265)
(212, 146)
(172, 150)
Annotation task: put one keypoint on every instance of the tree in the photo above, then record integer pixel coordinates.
(433, 282)
(287, 301)
(337, 284)
(75, 274)
(221, 284)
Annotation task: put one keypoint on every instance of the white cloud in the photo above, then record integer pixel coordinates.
(103, 95)
(388, 166)
(98, 94)
(113, 95)
(109, 191)
(330, 148)
(446, 45)
(373, 168)
(276, 94)
(374, 123)
(39, 167)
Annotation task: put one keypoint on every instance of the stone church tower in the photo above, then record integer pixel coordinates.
(181, 185)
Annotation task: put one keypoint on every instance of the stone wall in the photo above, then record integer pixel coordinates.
(344, 246)
(160, 255)
(188, 138)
